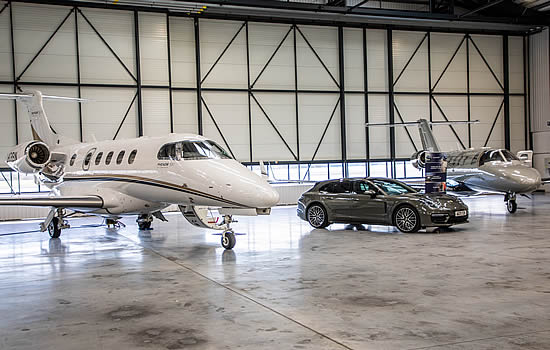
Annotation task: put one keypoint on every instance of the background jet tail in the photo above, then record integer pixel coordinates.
(40, 126)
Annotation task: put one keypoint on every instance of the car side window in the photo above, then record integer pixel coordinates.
(362, 187)
(109, 158)
(120, 157)
(342, 187)
(327, 188)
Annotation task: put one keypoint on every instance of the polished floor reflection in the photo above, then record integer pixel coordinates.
(482, 285)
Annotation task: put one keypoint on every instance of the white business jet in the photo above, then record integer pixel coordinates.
(138, 176)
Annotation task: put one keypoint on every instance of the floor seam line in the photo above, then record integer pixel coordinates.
(480, 339)
(246, 297)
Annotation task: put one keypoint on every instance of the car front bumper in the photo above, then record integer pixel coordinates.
(447, 218)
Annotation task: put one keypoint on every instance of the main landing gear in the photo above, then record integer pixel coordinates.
(228, 236)
(144, 221)
(511, 204)
(55, 222)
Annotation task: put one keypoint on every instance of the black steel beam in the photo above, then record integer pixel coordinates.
(138, 75)
(169, 57)
(12, 39)
(506, 101)
(481, 8)
(198, 74)
(343, 137)
(468, 92)
(366, 95)
(391, 103)
(296, 97)
(249, 88)
(81, 132)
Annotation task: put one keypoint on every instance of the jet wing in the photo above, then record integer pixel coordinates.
(57, 202)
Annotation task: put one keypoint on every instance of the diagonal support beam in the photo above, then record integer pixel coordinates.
(45, 44)
(274, 127)
(360, 3)
(223, 52)
(487, 63)
(494, 123)
(316, 55)
(271, 58)
(410, 59)
(406, 128)
(107, 45)
(4, 7)
(125, 115)
(447, 119)
(217, 127)
(481, 8)
(448, 64)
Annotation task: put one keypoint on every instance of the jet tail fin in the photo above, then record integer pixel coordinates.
(40, 126)
(429, 143)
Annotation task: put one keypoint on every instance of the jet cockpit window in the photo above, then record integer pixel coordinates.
(509, 156)
(491, 156)
(192, 150)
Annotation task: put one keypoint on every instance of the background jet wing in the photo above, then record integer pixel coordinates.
(57, 202)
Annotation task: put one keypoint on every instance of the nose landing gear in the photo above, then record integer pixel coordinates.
(228, 236)
(511, 204)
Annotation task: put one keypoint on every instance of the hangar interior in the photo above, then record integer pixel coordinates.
(291, 84)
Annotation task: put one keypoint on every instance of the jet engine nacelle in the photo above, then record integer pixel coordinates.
(29, 158)
(419, 159)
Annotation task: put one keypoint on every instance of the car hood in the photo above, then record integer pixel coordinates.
(437, 200)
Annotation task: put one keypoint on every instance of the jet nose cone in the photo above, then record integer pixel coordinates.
(272, 197)
(524, 179)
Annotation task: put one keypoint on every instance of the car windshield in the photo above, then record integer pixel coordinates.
(393, 187)
(193, 150)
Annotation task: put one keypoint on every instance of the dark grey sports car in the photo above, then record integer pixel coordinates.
(379, 201)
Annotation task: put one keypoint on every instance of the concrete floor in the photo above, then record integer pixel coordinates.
(484, 285)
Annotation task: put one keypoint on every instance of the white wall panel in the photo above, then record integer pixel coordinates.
(355, 126)
(182, 50)
(481, 78)
(5, 44)
(7, 125)
(153, 48)
(314, 112)
(33, 25)
(455, 108)
(415, 76)
(156, 112)
(379, 137)
(185, 112)
(353, 59)
(264, 39)
(411, 108)
(97, 63)
(267, 145)
(485, 109)
(231, 70)
(101, 117)
(230, 110)
(517, 123)
(377, 62)
(443, 47)
(515, 54)
(311, 73)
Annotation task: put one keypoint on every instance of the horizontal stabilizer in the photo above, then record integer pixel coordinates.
(45, 97)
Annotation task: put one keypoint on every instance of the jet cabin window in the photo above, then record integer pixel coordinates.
(98, 158)
(132, 157)
(192, 150)
(73, 158)
(109, 158)
(120, 157)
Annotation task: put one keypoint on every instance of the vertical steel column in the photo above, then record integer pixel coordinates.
(506, 68)
(169, 56)
(526, 105)
(138, 74)
(343, 138)
(529, 90)
(13, 73)
(389, 40)
(198, 74)
(78, 73)
(430, 91)
(249, 91)
(296, 100)
(366, 96)
(468, 88)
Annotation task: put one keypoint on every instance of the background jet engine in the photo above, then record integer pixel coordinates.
(30, 157)
(419, 159)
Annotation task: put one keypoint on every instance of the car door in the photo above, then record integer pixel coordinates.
(338, 199)
(368, 208)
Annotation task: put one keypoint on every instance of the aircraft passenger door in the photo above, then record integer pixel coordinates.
(368, 207)
(339, 199)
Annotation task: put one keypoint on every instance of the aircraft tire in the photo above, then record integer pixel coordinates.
(144, 225)
(228, 240)
(53, 228)
(512, 206)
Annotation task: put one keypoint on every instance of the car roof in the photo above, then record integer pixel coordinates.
(352, 179)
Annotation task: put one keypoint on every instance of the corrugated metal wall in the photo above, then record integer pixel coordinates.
(539, 61)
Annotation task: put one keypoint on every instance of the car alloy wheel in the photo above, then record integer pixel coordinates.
(316, 216)
(406, 220)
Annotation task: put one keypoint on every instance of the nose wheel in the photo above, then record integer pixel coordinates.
(228, 236)
(511, 204)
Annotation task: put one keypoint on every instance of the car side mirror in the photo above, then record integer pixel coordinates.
(370, 193)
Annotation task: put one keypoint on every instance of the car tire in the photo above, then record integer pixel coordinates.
(317, 216)
(406, 219)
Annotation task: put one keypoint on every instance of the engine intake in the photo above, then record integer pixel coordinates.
(419, 159)
(30, 157)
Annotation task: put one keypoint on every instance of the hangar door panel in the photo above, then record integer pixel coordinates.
(7, 125)
(449, 108)
(407, 109)
(153, 49)
(185, 112)
(182, 50)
